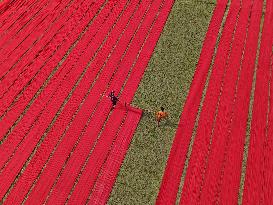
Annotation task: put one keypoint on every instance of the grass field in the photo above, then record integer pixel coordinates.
(165, 83)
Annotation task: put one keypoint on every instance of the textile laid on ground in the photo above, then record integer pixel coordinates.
(60, 141)
(215, 164)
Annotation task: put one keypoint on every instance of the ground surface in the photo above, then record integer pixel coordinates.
(62, 143)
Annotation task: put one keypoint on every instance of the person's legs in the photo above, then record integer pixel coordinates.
(158, 121)
(114, 104)
(114, 101)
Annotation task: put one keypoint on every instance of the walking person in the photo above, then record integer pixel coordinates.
(160, 115)
(113, 98)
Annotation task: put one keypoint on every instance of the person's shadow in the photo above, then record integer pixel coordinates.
(170, 123)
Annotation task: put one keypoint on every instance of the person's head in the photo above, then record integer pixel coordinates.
(162, 109)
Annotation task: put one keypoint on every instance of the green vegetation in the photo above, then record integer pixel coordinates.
(166, 83)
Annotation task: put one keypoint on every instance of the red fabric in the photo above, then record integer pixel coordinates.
(52, 65)
(255, 179)
(268, 191)
(4, 6)
(212, 184)
(24, 25)
(51, 89)
(108, 173)
(36, 71)
(173, 170)
(90, 170)
(12, 11)
(22, 43)
(197, 162)
(28, 132)
(214, 171)
(233, 167)
(38, 40)
(18, 76)
(16, 25)
(66, 115)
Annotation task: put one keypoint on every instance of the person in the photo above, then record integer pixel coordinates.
(161, 115)
(113, 98)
